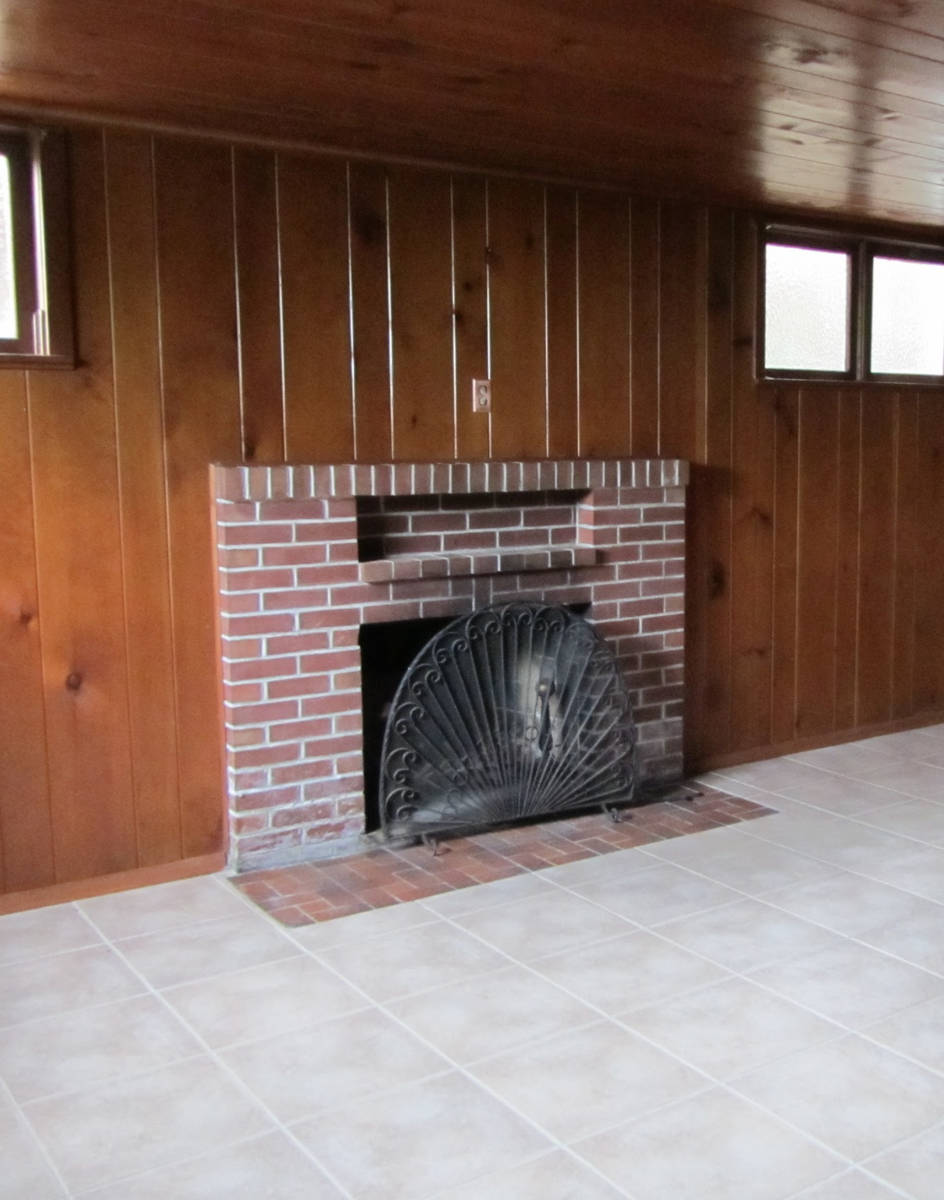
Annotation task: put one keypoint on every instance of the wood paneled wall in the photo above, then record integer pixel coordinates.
(243, 305)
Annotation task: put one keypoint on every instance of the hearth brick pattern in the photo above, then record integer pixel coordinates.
(308, 554)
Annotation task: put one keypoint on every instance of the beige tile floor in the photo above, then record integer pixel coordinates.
(751, 1013)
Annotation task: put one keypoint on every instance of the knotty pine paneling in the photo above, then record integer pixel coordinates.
(237, 304)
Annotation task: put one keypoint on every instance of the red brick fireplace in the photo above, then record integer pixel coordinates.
(307, 555)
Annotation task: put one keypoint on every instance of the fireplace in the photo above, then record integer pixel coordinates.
(309, 555)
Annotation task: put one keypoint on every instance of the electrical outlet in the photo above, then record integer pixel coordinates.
(481, 395)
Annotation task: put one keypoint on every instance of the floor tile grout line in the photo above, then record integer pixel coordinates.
(24, 1123)
(863, 1164)
(213, 1056)
(711, 1080)
(458, 1067)
(762, 898)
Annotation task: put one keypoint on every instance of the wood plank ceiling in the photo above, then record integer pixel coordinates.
(836, 106)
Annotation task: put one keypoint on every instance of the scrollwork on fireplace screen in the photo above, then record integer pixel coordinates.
(516, 711)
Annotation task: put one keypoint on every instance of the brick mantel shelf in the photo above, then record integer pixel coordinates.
(308, 554)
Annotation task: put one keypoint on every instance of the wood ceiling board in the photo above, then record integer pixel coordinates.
(835, 105)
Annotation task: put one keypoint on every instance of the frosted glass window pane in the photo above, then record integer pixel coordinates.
(807, 309)
(907, 317)
(8, 314)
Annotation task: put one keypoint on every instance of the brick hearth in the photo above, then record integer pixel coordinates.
(306, 555)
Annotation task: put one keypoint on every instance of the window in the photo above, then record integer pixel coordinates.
(851, 308)
(35, 292)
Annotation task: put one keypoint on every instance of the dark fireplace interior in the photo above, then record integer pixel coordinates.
(386, 652)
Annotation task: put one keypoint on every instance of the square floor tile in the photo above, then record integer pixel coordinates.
(772, 774)
(163, 906)
(25, 1175)
(662, 894)
(601, 866)
(712, 1147)
(491, 1013)
(919, 871)
(197, 951)
(555, 1176)
(853, 1096)
(851, 984)
(544, 924)
(331, 1063)
(913, 778)
(628, 972)
(917, 938)
(376, 922)
(848, 904)
(486, 895)
(843, 796)
(729, 857)
(915, 1166)
(747, 935)
(43, 931)
(922, 820)
(270, 1167)
(851, 1185)
(71, 1051)
(413, 961)
(730, 1027)
(262, 1001)
(132, 1125)
(416, 1140)
(588, 1079)
(907, 744)
(916, 1032)
(849, 756)
(41, 987)
(806, 830)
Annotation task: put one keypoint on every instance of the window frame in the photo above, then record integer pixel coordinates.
(39, 197)
(863, 249)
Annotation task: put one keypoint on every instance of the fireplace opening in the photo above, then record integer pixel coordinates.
(386, 653)
(516, 712)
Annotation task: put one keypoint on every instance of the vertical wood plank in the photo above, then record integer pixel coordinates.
(679, 293)
(604, 297)
(470, 313)
(516, 290)
(708, 592)
(785, 632)
(752, 517)
(929, 598)
(26, 845)
(201, 425)
(908, 521)
(562, 399)
(877, 560)
(80, 567)
(421, 313)
(260, 333)
(848, 565)
(817, 503)
(373, 418)
(142, 497)
(316, 315)
(645, 305)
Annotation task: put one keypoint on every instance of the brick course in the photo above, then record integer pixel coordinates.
(309, 554)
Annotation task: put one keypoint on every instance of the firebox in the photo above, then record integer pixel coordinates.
(516, 712)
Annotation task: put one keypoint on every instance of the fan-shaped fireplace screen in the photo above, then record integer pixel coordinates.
(516, 711)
